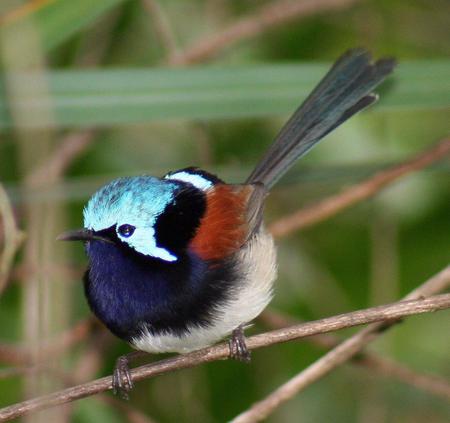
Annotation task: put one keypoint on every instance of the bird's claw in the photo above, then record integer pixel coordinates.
(122, 382)
(238, 347)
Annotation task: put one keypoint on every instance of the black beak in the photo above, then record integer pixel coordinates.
(81, 235)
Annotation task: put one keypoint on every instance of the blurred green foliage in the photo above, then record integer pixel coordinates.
(372, 253)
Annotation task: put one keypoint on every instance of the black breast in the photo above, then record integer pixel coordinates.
(128, 291)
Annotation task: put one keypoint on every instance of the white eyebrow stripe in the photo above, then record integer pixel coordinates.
(197, 180)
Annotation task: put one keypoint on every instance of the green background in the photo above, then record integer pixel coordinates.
(69, 66)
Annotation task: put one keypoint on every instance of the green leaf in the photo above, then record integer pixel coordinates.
(57, 20)
(126, 96)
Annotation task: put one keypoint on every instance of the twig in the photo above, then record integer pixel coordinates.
(70, 147)
(382, 313)
(383, 366)
(332, 205)
(51, 349)
(132, 414)
(67, 271)
(270, 16)
(12, 238)
(342, 353)
(21, 11)
(15, 371)
(91, 360)
(162, 26)
(380, 365)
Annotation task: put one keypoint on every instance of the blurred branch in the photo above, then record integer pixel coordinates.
(19, 356)
(391, 312)
(339, 355)
(11, 372)
(428, 383)
(70, 147)
(272, 15)
(57, 20)
(12, 238)
(22, 11)
(330, 206)
(132, 414)
(379, 365)
(68, 271)
(162, 26)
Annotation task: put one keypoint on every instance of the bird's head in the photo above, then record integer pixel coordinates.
(150, 216)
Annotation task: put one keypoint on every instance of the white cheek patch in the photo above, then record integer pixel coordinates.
(197, 180)
(144, 242)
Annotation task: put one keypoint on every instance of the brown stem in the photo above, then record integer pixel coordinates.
(275, 14)
(132, 414)
(161, 26)
(17, 355)
(70, 147)
(383, 366)
(379, 365)
(330, 206)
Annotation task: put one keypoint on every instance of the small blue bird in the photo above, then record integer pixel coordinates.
(180, 262)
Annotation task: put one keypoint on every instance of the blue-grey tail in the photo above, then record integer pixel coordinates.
(345, 90)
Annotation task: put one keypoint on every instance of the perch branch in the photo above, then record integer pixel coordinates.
(274, 14)
(330, 206)
(339, 355)
(218, 352)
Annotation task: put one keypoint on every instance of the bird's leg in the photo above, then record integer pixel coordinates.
(122, 382)
(238, 348)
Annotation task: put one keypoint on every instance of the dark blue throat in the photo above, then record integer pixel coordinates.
(129, 292)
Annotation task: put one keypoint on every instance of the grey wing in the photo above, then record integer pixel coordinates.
(255, 208)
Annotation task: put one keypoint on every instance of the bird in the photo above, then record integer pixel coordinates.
(180, 262)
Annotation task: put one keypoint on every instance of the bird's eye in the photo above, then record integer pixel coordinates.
(126, 230)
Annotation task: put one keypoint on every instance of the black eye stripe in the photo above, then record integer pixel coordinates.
(126, 230)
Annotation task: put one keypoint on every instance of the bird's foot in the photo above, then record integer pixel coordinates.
(122, 382)
(238, 347)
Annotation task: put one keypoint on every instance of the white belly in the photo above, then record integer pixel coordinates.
(252, 295)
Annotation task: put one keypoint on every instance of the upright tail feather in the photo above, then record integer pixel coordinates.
(345, 90)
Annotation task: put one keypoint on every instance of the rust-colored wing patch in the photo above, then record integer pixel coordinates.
(224, 227)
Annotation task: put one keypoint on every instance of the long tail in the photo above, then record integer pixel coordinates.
(345, 90)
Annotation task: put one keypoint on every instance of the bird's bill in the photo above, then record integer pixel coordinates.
(81, 235)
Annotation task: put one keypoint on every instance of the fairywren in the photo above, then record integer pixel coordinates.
(177, 263)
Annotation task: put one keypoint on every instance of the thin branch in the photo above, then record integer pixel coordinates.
(383, 366)
(162, 26)
(275, 14)
(20, 356)
(380, 366)
(132, 414)
(339, 355)
(10, 372)
(12, 238)
(376, 314)
(332, 205)
(70, 147)
(66, 271)
(91, 361)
